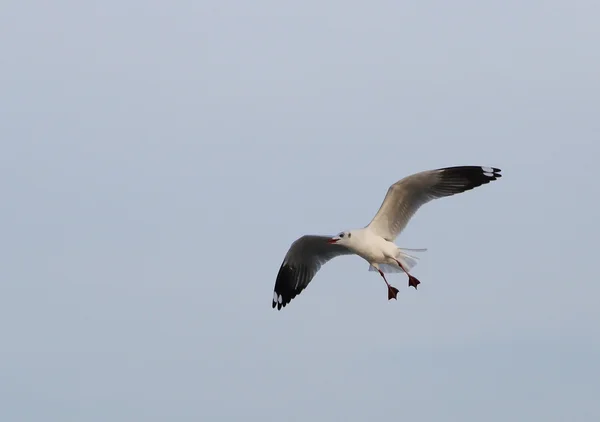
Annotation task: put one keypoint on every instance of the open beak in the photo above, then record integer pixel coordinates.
(333, 240)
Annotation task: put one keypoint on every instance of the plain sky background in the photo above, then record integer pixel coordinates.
(158, 159)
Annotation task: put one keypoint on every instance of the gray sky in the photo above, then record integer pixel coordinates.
(158, 159)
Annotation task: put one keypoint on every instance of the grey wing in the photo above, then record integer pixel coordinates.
(406, 196)
(302, 261)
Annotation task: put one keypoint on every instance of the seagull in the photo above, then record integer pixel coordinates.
(375, 242)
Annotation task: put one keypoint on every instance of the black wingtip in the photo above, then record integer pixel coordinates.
(284, 292)
(491, 171)
(463, 178)
(277, 305)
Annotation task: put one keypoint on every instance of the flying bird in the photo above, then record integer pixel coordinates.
(375, 242)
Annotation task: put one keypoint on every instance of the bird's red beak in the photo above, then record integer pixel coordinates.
(332, 240)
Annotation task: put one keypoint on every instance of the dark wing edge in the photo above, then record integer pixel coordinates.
(285, 285)
(303, 260)
(453, 180)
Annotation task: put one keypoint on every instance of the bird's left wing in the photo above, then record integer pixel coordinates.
(302, 261)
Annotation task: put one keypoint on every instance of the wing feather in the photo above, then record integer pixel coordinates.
(407, 195)
(302, 261)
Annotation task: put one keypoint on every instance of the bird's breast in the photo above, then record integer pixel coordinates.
(370, 251)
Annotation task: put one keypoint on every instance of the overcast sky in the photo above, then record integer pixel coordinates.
(158, 159)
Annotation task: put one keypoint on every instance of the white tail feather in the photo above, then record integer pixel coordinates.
(414, 250)
(387, 269)
(407, 261)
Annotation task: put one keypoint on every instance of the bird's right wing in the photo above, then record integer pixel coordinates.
(407, 195)
(302, 261)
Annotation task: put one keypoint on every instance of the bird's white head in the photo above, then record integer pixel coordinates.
(344, 238)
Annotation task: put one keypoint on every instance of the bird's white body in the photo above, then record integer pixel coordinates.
(371, 247)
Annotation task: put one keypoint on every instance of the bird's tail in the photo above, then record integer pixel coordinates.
(408, 261)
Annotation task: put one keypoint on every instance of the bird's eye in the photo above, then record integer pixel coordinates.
(341, 234)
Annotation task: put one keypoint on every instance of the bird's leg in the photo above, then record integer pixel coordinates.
(412, 281)
(392, 291)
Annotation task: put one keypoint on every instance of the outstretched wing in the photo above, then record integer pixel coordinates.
(302, 261)
(406, 196)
